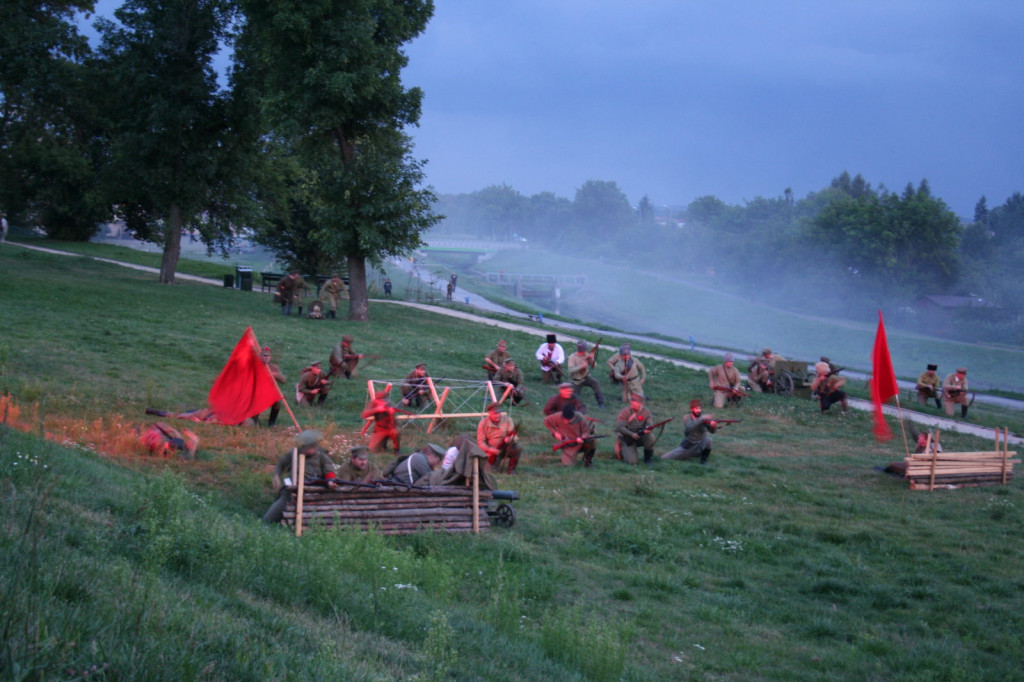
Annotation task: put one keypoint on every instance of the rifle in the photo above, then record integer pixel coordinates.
(724, 421)
(837, 370)
(393, 483)
(644, 432)
(573, 441)
(734, 391)
(593, 351)
(339, 482)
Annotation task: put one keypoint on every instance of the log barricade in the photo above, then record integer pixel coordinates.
(391, 510)
(930, 469)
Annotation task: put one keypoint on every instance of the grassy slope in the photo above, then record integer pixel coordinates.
(788, 557)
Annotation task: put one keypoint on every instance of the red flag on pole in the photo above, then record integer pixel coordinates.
(244, 388)
(883, 380)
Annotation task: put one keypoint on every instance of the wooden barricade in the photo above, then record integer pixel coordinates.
(930, 469)
(391, 510)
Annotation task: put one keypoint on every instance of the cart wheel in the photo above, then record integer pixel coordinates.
(504, 516)
(784, 384)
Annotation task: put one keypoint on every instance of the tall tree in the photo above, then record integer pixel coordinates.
(179, 148)
(49, 145)
(330, 75)
(601, 210)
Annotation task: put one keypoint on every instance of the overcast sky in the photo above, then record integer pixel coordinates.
(677, 99)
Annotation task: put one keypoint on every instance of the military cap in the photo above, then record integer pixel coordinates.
(360, 451)
(307, 438)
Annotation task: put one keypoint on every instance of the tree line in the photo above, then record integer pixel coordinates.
(301, 143)
(845, 250)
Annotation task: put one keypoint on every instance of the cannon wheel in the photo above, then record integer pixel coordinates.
(784, 384)
(504, 516)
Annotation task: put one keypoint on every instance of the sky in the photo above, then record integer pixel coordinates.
(678, 99)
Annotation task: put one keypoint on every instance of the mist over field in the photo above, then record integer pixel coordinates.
(639, 300)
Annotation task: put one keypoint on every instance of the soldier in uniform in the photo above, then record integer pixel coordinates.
(497, 436)
(415, 469)
(565, 396)
(511, 374)
(335, 290)
(290, 290)
(929, 387)
(954, 391)
(723, 377)
(384, 427)
(494, 360)
(313, 386)
(634, 429)
(415, 388)
(279, 377)
(319, 467)
(568, 425)
(829, 388)
(580, 364)
(696, 435)
(762, 371)
(343, 359)
(358, 468)
(627, 371)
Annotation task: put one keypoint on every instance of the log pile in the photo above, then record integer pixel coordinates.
(391, 510)
(932, 468)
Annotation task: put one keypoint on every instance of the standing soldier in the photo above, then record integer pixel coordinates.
(580, 364)
(929, 387)
(725, 382)
(290, 290)
(574, 433)
(335, 290)
(497, 435)
(628, 371)
(954, 390)
(634, 429)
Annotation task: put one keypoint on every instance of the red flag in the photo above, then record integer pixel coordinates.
(244, 388)
(883, 380)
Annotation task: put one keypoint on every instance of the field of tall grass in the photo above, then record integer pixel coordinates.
(787, 557)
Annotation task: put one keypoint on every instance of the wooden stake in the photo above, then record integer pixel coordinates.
(300, 490)
(476, 494)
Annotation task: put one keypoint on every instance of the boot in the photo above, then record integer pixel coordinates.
(300, 310)
(273, 415)
(938, 404)
(588, 459)
(284, 308)
(648, 456)
(704, 456)
(288, 309)
(963, 412)
(512, 462)
(321, 398)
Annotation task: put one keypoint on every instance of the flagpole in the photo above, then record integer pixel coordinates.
(903, 428)
(266, 368)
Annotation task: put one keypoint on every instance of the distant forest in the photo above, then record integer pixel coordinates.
(845, 250)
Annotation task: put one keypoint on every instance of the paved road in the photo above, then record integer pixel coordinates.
(541, 328)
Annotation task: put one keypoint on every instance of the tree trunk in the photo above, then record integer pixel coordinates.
(358, 309)
(172, 246)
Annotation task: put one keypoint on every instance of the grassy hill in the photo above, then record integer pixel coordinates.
(787, 557)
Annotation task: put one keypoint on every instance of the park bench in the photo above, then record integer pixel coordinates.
(398, 509)
(930, 469)
(269, 280)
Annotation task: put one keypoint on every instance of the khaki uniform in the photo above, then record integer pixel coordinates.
(929, 387)
(630, 426)
(954, 391)
(728, 377)
(631, 373)
(563, 429)
(579, 372)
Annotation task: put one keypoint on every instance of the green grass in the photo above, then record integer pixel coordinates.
(788, 557)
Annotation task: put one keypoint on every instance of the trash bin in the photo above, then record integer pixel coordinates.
(229, 281)
(244, 275)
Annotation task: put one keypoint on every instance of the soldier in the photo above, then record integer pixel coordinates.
(929, 387)
(358, 468)
(319, 467)
(634, 429)
(724, 380)
(415, 468)
(829, 388)
(628, 371)
(163, 439)
(335, 290)
(343, 359)
(384, 424)
(762, 371)
(415, 387)
(696, 435)
(573, 433)
(494, 360)
(580, 364)
(954, 390)
(551, 357)
(279, 377)
(497, 435)
(511, 375)
(565, 396)
(290, 290)
(313, 387)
